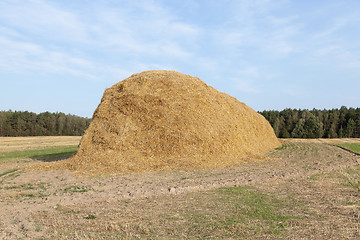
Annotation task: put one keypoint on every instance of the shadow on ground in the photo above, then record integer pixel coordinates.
(53, 157)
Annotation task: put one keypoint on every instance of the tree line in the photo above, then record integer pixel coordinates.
(288, 123)
(303, 123)
(24, 123)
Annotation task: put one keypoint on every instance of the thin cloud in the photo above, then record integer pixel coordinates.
(111, 31)
(246, 85)
(247, 47)
(247, 80)
(17, 55)
(39, 18)
(255, 26)
(338, 56)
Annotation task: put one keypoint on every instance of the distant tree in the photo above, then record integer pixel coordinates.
(341, 132)
(284, 133)
(310, 127)
(47, 124)
(343, 122)
(357, 131)
(299, 131)
(313, 128)
(351, 128)
(276, 127)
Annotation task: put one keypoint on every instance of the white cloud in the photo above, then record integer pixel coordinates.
(246, 85)
(144, 28)
(52, 38)
(39, 18)
(338, 56)
(279, 40)
(329, 31)
(4, 31)
(253, 24)
(18, 55)
(140, 67)
(248, 79)
(207, 64)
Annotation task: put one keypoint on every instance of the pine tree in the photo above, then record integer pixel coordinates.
(299, 130)
(350, 128)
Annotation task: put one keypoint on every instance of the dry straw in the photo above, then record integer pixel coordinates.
(165, 120)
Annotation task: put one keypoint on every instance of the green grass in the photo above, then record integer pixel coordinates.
(7, 172)
(225, 213)
(80, 189)
(283, 147)
(352, 178)
(28, 186)
(355, 147)
(349, 177)
(232, 212)
(45, 154)
(254, 204)
(30, 195)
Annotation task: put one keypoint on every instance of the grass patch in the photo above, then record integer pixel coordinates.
(355, 147)
(7, 172)
(283, 147)
(224, 213)
(315, 177)
(38, 228)
(46, 154)
(28, 186)
(352, 178)
(232, 212)
(254, 204)
(80, 189)
(30, 195)
(90, 217)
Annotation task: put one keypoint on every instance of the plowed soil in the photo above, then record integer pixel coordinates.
(320, 179)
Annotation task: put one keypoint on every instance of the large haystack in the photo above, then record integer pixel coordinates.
(165, 120)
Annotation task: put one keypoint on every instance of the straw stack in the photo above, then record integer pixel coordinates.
(165, 120)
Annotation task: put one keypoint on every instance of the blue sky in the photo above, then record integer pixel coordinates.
(270, 54)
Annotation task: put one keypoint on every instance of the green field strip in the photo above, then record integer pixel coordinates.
(353, 147)
(41, 153)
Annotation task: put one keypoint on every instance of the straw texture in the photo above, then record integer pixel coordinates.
(164, 120)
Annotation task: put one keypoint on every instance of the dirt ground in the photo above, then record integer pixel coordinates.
(321, 178)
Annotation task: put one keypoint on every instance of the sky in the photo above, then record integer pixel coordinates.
(60, 55)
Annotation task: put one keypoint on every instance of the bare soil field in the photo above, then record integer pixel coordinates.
(306, 189)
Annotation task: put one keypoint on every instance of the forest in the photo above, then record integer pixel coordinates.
(24, 123)
(288, 123)
(298, 123)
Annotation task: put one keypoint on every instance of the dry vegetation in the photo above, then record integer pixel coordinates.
(309, 190)
(9, 144)
(165, 120)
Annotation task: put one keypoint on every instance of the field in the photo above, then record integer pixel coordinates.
(306, 189)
